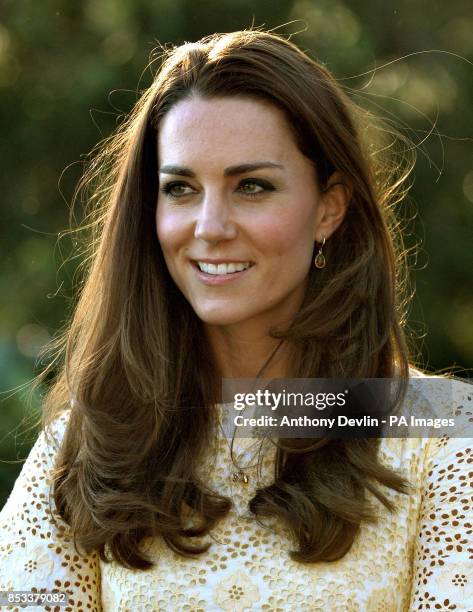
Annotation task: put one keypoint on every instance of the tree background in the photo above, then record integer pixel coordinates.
(59, 62)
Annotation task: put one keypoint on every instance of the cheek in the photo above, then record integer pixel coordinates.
(288, 235)
(169, 229)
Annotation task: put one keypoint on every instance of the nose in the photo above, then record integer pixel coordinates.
(214, 221)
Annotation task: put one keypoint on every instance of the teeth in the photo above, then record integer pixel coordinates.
(229, 268)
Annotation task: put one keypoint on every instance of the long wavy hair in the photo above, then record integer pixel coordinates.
(135, 360)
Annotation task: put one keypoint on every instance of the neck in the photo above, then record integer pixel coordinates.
(244, 353)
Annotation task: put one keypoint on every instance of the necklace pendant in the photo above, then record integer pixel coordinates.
(240, 477)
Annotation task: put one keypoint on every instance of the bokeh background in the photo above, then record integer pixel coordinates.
(69, 70)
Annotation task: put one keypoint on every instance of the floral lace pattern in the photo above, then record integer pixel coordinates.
(419, 558)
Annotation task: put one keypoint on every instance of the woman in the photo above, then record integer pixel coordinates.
(243, 228)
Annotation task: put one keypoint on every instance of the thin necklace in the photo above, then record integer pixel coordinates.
(239, 474)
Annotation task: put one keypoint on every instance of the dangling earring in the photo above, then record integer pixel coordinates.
(319, 261)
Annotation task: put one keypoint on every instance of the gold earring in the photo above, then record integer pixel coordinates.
(319, 261)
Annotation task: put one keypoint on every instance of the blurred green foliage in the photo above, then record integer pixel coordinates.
(68, 70)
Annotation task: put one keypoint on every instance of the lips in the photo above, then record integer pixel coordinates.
(226, 274)
(223, 268)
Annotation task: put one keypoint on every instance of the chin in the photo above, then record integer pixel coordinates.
(220, 316)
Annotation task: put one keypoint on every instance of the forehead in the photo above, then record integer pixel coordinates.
(230, 129)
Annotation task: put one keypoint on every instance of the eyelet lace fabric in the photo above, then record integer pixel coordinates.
(419, 558)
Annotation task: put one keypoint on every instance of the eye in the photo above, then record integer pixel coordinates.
(176, 189)
(254, 187)
(249, 187)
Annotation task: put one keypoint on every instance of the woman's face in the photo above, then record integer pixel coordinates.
(238, 210)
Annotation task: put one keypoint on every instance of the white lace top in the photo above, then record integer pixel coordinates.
(420, 558)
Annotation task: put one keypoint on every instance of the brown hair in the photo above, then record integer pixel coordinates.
(127, 467)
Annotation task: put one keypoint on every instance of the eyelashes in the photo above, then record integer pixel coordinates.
(177, 189)
(169, 189)
(264, 186)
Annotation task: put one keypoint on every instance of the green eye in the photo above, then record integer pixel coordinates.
(254, 187)
(176, 189)
(249, 187)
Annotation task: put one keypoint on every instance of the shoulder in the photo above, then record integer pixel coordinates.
(36, 546)
(35, 474)
(31, 493)
(435, 398)
(52, 434)
(442, 397)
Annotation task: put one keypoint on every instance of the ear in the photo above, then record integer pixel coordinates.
(333, 204)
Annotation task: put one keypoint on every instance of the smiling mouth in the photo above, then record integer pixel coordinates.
(222, 269)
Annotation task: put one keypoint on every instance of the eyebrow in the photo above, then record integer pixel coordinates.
(230, 171)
